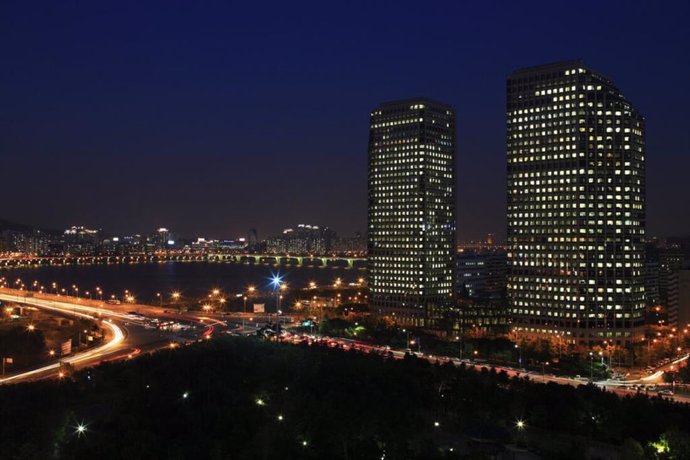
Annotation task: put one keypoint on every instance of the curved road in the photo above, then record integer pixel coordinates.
(128, 335)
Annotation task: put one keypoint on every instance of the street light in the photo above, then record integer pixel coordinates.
(591, 366)
(250, 291)
(80, 430)
(176, 296)
(276, 282)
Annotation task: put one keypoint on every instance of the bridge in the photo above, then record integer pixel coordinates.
(272, 259)
(256, 259)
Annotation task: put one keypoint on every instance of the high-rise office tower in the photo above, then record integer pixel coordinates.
(576, 206)
(411, 230)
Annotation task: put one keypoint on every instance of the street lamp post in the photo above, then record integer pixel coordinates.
(244, 310)
(277, 286)
(6, 360)
(176, 297)
(591, 366)
(543, 370)
(250, 292)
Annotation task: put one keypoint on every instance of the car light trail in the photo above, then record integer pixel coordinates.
(82, 311)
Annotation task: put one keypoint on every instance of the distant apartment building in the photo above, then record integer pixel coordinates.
(253, 243)
(349, 245)
(33, 242)
(78, 240)
(161, 240)
(303, 240)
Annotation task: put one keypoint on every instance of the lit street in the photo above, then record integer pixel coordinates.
(128, 335)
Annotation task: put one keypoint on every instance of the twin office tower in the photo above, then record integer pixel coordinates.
(576, 208)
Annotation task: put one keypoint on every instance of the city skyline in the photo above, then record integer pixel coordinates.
(176, 119)
(345, 230)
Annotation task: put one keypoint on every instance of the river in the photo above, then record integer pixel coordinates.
(191, 279)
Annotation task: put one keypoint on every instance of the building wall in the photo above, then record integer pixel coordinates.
(411, 219)
(576, 205)
(482, 275)
(683, 299)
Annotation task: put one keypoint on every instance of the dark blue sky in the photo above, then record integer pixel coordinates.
(214, 117)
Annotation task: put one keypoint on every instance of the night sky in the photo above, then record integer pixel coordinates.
(214, 117)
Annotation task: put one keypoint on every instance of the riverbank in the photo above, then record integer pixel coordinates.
(155, 283)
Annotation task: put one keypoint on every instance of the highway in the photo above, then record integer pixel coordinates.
(127, 335)
(621, 388)
(130, 335)
(116, 341)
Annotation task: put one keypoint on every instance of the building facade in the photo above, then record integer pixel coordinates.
(411, 219)
(670, 265)
(576, 206)
(683, 321)
(482, 275)
(652, 275)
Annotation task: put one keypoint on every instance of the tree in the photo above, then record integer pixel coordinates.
(632, 450)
